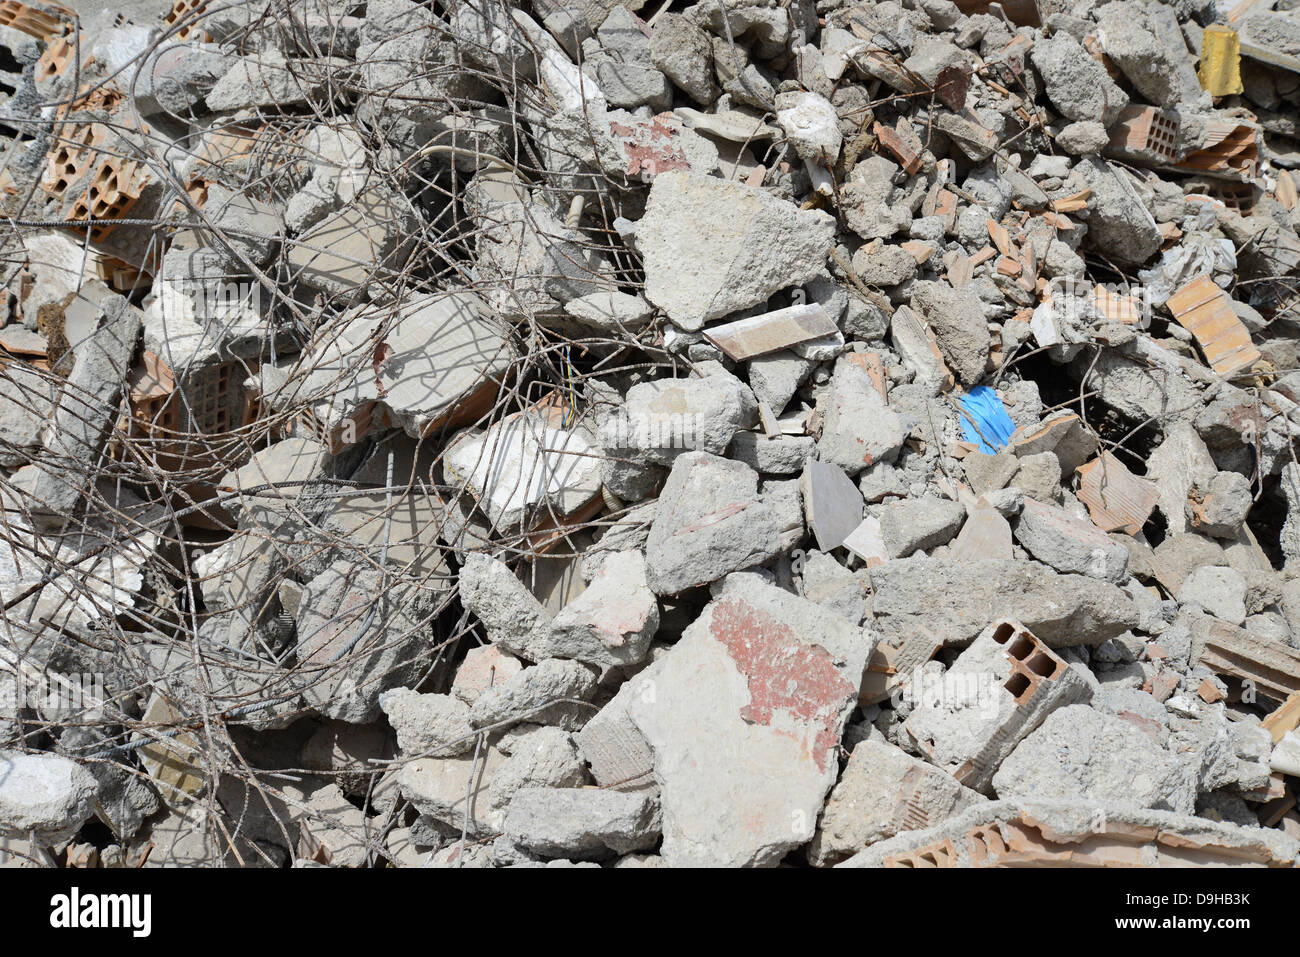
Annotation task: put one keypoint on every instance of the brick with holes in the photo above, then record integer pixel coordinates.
(745, 766)
(999, 690)
(1080, 833)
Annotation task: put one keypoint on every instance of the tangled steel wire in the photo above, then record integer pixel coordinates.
(213, 583)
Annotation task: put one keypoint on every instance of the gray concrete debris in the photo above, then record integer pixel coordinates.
(711, 521)
(551, 692)
(998, 691)
(952, 601)
(582, 822)
(860, 428)
(44, 795)
(1070, 544)
(611, 434)
(956, 317)
(1077, 84)
(1079, 752)
(918, 525)
(614, 620)
(88, 405)
(544, 757)
(755, 245)
(428, 724)
(882, 792)
(660, 420)
(714, 755)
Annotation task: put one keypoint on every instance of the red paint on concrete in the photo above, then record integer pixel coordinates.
(784, 674)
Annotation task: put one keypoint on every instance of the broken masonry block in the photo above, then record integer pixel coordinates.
(998, 690)
(867, 542)
(1283, 719)
(1205, 310)
(884, 791)
(529, 471)
(1267, 36)
(76, 152)
(986, 534)
(1145, 134)
(1269, 669)
(41, 21)
(87, 408)
(892, 664)
(204, 396)
(1117, 500)
(613, 746)
(90, 179)
(1066, 435)
(56, 58)
(1080, 834)
(939, 854)
(744, 769)
(187, 13)
(446, 358)
(1231, 150)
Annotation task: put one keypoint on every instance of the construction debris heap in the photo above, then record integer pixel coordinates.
(571, 432)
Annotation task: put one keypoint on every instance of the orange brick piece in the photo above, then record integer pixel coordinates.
(1117, 500)
(1032, 662)
(940, 854)
(1205, 310)
(112, 190)
(1145, 132)
(31, 21)
(889, 139)
(1233, 147)
(187, 11)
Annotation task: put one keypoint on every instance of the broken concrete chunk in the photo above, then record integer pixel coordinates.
(1077, 84)
(956, 317)
(860, 428)
(428, 724)
(1079, 752)
(454, 791)
(527, 470)
(662, 419)
(551, 692)
(951, 600)
(747, 246)
(735, 765)
(581, 822)
(44, 795)
(918, 525)
(613, 621)
(1070, 544)
(711, 521)
(882, 792)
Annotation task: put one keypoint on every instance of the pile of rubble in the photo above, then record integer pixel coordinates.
(734, 432)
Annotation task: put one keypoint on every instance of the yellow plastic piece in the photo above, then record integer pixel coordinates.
(1220, 72)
